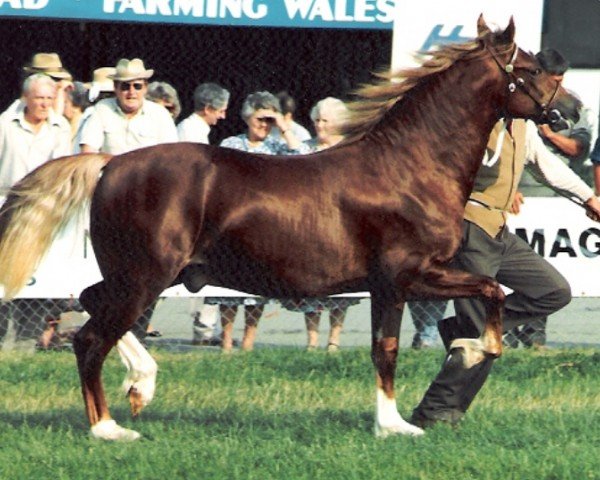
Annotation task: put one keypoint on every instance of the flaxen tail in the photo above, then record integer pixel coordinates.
(37, 208)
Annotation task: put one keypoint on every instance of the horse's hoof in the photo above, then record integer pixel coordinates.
(136, 401)
(403, 428)
(110, 430)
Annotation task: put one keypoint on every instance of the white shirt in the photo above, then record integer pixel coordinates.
(550, 169)
(108, 130)
(193, 129)
(22, 150)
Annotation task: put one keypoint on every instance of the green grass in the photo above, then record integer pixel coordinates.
(288, 414)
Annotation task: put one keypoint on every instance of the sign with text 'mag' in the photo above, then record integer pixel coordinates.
(555, 228)
(366, 14)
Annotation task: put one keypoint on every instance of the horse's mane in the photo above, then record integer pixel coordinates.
(376, 99)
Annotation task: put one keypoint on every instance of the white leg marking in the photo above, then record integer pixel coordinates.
(109, 430)
(473, 348)
(388, 421)
(141, 367)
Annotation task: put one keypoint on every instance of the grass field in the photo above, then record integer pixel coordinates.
(287, 414)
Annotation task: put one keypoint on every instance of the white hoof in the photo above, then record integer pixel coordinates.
(110, 430)
(389, 422)
(401, 428)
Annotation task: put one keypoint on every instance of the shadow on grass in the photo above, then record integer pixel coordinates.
(303, 424)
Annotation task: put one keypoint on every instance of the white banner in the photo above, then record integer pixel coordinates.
(559, 230)
(424, 24)
(555, 228)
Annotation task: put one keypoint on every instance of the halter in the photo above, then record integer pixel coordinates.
(515, 82)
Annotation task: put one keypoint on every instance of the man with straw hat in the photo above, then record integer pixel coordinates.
(128, 121)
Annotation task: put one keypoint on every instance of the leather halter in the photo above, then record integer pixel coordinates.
(515, 82)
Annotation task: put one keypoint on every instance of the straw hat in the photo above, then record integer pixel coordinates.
(131, 70)
(48, 63)
(101, 82)
(102, 79)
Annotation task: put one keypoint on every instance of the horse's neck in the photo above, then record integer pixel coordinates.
(445, 126)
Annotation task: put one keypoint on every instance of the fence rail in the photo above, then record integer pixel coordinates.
(577, 325)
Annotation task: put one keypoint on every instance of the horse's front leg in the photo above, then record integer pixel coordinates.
(386, 317)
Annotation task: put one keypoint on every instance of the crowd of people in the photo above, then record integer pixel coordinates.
(120, 109)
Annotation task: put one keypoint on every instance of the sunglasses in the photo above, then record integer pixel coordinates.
(266, 119)
(126, 86)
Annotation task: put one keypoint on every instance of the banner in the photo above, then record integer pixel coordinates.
(425, 24)
(366, 14)
(555, 228)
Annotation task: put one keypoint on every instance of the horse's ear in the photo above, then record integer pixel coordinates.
(508, 35)
(482, 27)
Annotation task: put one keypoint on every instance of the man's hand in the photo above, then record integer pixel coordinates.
(517, 202)
(592, 208)
(545, 130)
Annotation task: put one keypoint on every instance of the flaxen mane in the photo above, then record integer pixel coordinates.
(376, 99)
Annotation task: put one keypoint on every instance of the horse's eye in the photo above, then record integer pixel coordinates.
(537, 71)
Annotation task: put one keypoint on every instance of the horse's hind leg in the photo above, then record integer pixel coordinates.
(113, 311)
(140, 381)
(386, 317)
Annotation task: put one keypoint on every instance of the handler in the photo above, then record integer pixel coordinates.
(488, 248)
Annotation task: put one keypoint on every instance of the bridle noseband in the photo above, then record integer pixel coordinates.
(515, 82)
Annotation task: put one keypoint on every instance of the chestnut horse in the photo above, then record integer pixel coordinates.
(381, 212)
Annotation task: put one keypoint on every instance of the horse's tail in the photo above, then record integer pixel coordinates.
(37, 208)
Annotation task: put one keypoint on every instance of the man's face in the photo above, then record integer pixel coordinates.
(130, 95)
(213, 115)
(39, 101)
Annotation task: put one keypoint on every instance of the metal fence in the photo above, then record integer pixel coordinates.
(27, 323)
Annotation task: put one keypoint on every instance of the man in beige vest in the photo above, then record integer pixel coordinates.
(488, 248)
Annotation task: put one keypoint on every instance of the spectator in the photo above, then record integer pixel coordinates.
(99, 88)
(31, 133)
(102, 85)
(77, 102)
(210, 106)
(327, 115)
(288, 110)
(488, 248)
(48, 64)
(425, 316)
(261, 112)
(124, 123)
(51, 65)
(571, 143)
(165, 94)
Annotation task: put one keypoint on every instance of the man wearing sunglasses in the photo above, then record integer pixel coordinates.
(128, 121)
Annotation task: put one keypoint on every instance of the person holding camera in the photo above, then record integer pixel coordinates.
(570, 141)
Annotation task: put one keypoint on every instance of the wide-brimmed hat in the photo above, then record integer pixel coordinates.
(48, 63)
(127, 70)
(102, 79)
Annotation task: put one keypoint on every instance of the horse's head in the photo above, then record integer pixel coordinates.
(530, 92)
